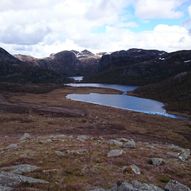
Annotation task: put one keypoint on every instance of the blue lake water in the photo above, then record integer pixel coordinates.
(121, 101)
(77, 78)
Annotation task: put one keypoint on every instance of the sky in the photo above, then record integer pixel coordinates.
(42, 27)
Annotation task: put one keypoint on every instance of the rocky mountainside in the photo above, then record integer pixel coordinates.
(141, 68)
(69, 63)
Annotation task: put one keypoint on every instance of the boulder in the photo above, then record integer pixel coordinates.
(184, 154)
(132, 168)
(12, 146)
(135, 186)
(115, 142)
(115, 153)
(129, 144)
(5, 188)
(9, 179)
(156, 161)
(20, 169)
(135, 169)
(25, 137)
(60, 153)
(174, 185)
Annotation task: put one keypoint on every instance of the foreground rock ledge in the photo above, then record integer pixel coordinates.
(138, 186)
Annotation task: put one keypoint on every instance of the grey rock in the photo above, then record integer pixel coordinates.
(122, 139)
(20, 169)
(135, 169)
(25, 137)
(115, 142)
(77, 152)
(135, 186)
(175, 147)
(174, 185)
(72, 152)
(5, 188)
(138, 186)
(184, 154)
(115, 153)
(157, 161)
(132, 168)
(12, 146)
(97, 189)
(82, 138)
(129, 144)
(9, 179)
(45, 141)
(125, 186)
(60, 153)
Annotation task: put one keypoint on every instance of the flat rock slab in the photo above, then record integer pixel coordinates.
(20, 169)
(42, 110)
(9, 179)
(5, 188)
(134, 186)
(176, 186)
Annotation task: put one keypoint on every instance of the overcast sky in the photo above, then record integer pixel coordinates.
(41, 27)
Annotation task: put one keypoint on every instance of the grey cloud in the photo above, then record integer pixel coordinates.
(24, 35)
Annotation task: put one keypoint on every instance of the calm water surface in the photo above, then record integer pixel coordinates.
(121, 101)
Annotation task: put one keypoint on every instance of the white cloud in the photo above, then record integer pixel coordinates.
(42, 27)
(157, 9)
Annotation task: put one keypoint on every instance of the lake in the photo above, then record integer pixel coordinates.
(121, 101)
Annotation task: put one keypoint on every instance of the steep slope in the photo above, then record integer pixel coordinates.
(9, 64)
(176, 91)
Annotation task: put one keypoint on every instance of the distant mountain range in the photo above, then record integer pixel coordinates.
(163, 76)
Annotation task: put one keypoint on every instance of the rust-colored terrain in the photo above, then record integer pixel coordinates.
(69, 141)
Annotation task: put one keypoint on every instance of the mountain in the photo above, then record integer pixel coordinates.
(9, 65)
(141, 67)
(64, 63)
(67, 63)
(15, 70)
(27, 59)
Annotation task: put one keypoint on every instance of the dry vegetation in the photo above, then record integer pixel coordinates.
(92, 167)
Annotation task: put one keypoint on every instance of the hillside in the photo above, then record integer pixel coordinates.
(142, 69)
(176, 91)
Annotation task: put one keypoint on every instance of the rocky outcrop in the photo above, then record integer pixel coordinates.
(11, 176)
(139, 186)
(176, 186)
(134, 186)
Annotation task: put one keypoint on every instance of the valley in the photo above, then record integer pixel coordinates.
(49, 142)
